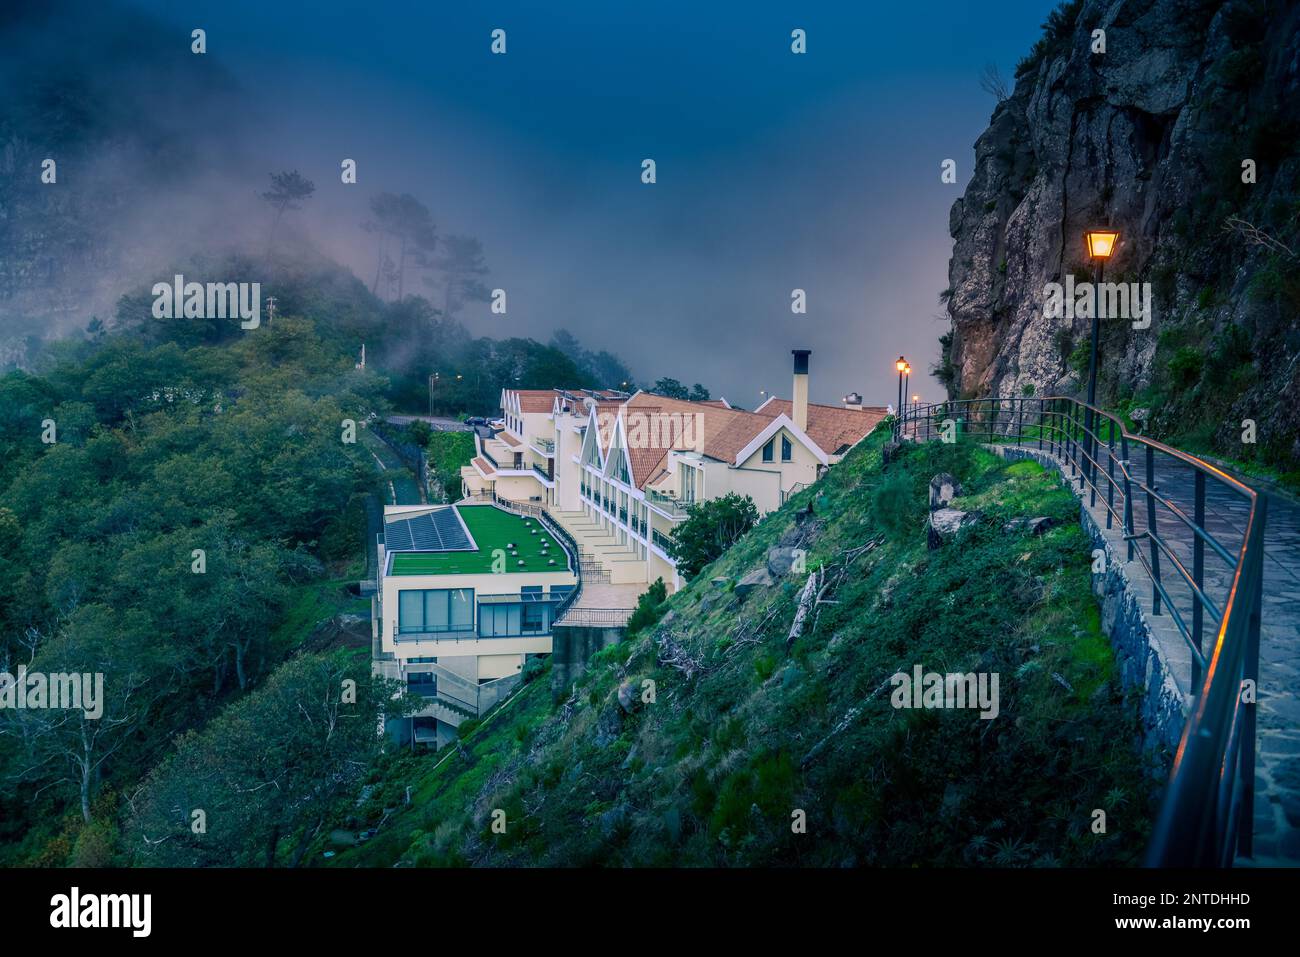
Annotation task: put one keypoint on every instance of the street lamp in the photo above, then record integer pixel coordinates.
(1101, 243)
(900, 365)
(907, 379)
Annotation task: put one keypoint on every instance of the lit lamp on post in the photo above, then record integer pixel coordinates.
(907, 379)
(900, 365)
(1101, 243)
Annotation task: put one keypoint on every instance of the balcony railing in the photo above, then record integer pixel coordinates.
(660, 539)
(463, 696)
(545, 446)
(668, 505)
(543, 473)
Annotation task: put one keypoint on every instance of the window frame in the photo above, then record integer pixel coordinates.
(425, 628)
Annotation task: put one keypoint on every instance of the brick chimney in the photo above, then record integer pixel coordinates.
(800, 396)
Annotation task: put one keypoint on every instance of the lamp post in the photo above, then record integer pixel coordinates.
(1101, 243)
(907, 379)
(900, 365)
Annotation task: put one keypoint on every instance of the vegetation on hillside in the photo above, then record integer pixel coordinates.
(701, 738)
(710, 528)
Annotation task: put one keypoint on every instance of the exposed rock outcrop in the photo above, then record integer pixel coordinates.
(1149, 137)
(946, 522)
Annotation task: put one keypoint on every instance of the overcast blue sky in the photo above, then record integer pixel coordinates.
(775, 171)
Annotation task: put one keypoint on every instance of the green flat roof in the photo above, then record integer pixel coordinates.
(491, 528)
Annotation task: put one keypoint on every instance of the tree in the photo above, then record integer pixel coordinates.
(461, 264)
(699, 393)
(670, 389)
(268, 768)
(991, 82)
(603, 369)
(711, 528)
(288, 190)
(407, 223)
(68, 748)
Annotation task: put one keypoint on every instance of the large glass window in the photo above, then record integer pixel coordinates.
(786, 449)
(686, 476)
(435, 610)
(511, 620)
(767, 451)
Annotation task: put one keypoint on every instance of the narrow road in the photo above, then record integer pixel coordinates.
(403, 489)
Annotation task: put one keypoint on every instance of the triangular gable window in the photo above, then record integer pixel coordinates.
(590, 455)
(617, 465)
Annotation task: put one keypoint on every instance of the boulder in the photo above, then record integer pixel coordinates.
(946, 522)
(609, 725)
(943, 489)
(1036, 526)
(780, 561)
(629, 696)
(758, 578)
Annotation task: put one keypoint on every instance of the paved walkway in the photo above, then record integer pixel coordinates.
(1277, 782)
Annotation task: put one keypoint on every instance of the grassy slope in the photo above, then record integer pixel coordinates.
(712, 770)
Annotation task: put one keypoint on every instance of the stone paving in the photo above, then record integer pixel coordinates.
(1277, 782)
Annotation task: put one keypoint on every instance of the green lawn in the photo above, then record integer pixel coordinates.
(491, 528)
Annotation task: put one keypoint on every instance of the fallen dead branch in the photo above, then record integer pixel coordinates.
(673, 654)
(849, 717)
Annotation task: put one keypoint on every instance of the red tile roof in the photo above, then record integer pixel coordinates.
(535, 400)
(830, 426)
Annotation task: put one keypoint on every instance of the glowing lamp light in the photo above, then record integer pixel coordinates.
(1101, 242)
(901, 364)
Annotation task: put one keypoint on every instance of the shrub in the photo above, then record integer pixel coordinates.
(891, 506)
(710, 529)
(1229, 351)
(1185, 367)
(650, 607)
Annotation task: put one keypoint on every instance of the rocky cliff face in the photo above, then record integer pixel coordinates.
(1152, 137)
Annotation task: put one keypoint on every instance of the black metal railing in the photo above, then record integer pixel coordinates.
(1206, 817)
(661, 540)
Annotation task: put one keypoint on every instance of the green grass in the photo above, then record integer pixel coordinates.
(710, 772)
(311, 604)
(519, 539)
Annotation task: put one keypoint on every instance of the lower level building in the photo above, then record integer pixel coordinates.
(465, 595)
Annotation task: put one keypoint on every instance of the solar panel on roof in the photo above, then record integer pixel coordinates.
(450, 530)
(397, 536)
(439, 531)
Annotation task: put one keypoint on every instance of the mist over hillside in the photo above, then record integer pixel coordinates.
(151, 145)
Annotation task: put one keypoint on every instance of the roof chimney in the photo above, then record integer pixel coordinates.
(800, 396)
